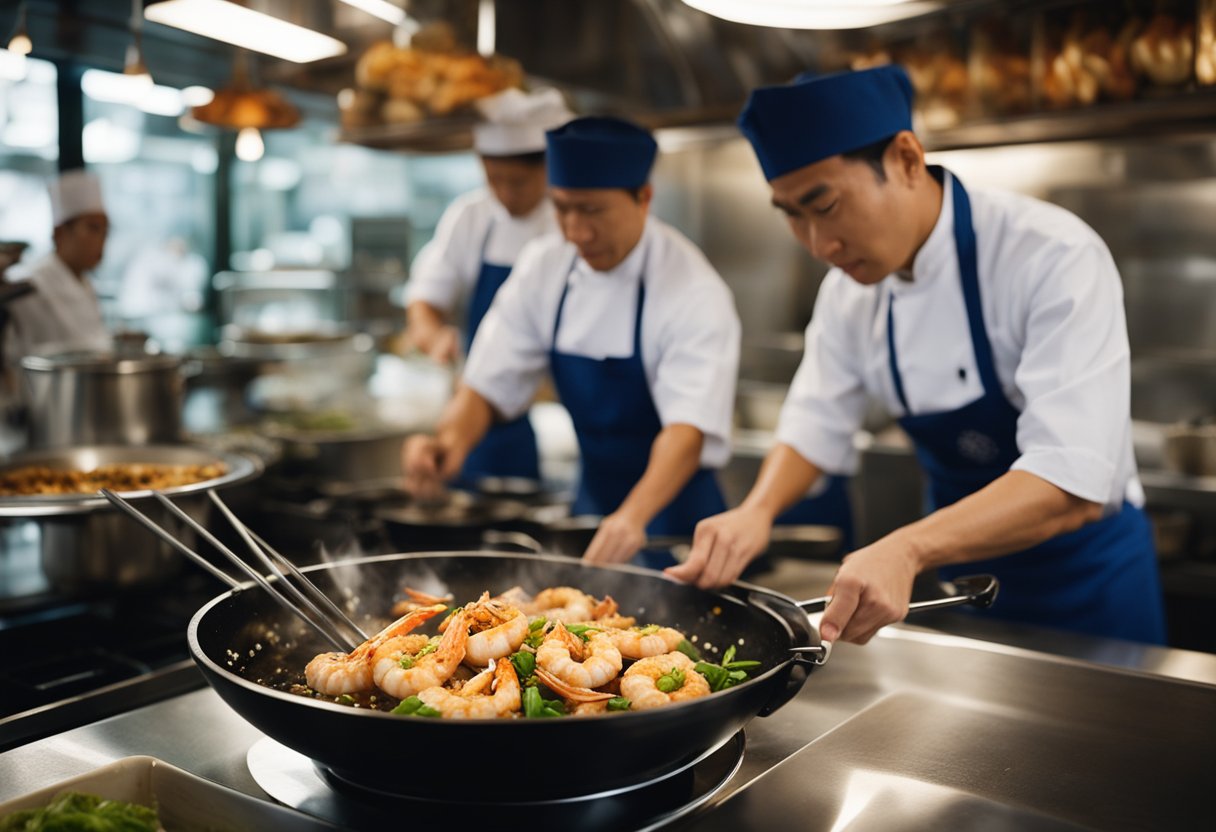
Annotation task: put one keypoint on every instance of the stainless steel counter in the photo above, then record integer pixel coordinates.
(916, 728)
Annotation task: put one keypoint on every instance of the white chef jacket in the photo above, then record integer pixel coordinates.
(1052, 303)
(445, 271)
(690, 330)
(62, 312)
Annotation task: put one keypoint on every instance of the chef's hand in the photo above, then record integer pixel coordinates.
(444, 345)
(618, 539)
(871, 589)
(723, 545)
(427, 465)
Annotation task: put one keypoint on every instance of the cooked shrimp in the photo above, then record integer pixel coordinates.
(573, 693)
(334, 674)
(596, 708)
(641, 642)
(502, 629)
(516, 596)
(471, 703)
(563, 603)
(644, 686)
(400, 673)
(418, 599)
(584, 665)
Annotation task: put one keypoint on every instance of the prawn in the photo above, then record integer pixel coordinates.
(471, 703)
(334, 674)
(563, 603)
(573, 693)
(641, 642)
(661, 680)
(402, 674)
(501, 630)
(565, 656)
(418, 599)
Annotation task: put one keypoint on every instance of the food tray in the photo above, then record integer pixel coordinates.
(185, 802)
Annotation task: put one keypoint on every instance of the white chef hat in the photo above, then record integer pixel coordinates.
(516, 121)
(73, 193)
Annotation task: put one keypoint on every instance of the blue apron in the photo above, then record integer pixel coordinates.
(616, 423)
(1100, 579)
(509, 448)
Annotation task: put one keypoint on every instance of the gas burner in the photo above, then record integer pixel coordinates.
(296, 781)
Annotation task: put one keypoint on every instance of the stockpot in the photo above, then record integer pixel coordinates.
(86, 544)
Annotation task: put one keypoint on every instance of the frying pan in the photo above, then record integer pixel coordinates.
(243, 636)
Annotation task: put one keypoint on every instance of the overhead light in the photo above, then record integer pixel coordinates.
(197, 96)
(379, 8)
(815, 14)
(244, 27)
(12, 66)
(137, 91)
(249, 144)
(487, 25)
(20, 43)
(134, 67)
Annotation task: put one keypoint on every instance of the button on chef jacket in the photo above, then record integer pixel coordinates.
(445, 270)
(689, 329)
(1052, 305)
(62, 312)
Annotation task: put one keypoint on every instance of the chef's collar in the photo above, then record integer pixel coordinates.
(629, 269)
(500, 213)
(937, 253)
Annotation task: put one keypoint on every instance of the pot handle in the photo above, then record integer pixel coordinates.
(972, 590)
(492, 537)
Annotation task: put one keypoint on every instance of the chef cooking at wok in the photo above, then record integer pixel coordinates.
(478, 239)
(63, 309)
(639, 333)
(992, 324)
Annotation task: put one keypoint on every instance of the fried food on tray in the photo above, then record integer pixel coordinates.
(33, 480)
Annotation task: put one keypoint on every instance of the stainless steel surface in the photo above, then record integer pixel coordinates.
(937, 720)
(1191, 449)
(351, 456)
(86, 544)
(84, 398)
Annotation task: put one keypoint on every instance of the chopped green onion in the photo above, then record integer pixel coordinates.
(524, 662)
(346, 699)
(431, 647)
(537, 623)
(649, 629)
(427, 710)
(406, 661)
(536, 707)
(670, 681)
(619, 703)
(534, 640)
(408, 706)
(581, 630)
(728, 656)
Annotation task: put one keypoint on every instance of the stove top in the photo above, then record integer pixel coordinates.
(296, 781)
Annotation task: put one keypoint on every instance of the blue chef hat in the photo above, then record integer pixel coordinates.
(794, 125)
(597, 152)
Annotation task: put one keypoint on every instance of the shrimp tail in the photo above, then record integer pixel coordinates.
(574, 694)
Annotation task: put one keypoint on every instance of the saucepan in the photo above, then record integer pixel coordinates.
(243, 638)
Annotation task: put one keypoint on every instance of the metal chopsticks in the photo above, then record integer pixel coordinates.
(328, 622)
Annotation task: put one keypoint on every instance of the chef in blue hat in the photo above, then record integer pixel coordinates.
(639, 333)
(992, 324)
(476, 242)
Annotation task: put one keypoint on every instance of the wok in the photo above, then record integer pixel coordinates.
(243, 636)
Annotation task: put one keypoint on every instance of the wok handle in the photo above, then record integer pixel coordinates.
(972, 590)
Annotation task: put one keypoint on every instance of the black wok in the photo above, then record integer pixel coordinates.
(242, 636)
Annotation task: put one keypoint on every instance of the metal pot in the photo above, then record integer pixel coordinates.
(101, 398)
(1190, 448)
(462, 521)
(344, 456)
(87, 544)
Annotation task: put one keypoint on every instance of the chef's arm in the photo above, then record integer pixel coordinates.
(726, 543)
(675, 455)
(1014, 512)
(428, 331)
(430, 461)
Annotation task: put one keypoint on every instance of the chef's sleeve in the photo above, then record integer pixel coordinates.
(436, 273)
(1074, 373)
(695, 377)
(510, 352)
(826, 401)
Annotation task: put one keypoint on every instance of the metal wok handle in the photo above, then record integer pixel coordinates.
(972, 590)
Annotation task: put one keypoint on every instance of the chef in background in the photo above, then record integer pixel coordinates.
(63, 311)
(639, 333)
(476, 243)
(993, 325)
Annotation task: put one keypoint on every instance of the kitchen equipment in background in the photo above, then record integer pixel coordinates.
(462, 521)
(86, 545)
(101, 398)
(361, 746)
(280, 300)
(216, 390)
(1190, 447)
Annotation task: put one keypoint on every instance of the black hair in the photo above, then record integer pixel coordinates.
(537, 158)
(872, 155)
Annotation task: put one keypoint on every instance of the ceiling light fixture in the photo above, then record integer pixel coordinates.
(815, 14)
(134, 67)
(379, 8)
(487, 25)
(20, 43)
(244, 107)
(228, 22)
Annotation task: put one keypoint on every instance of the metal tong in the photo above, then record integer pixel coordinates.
(286, 584)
